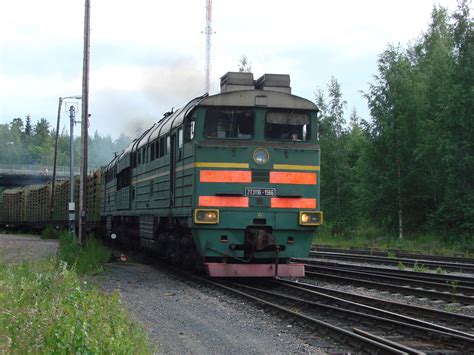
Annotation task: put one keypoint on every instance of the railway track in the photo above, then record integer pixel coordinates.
(452, 280)
(367, 328)
(347, 341)
(406, 262)
(460, 322)
(442, 285)
(356, 323)
(457, 324)
(380, 282)
(393, 253)
(350, 338)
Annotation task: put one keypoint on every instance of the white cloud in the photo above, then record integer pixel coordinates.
(23, 86)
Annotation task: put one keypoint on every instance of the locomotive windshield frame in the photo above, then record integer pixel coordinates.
(229, 123)
(284, 125)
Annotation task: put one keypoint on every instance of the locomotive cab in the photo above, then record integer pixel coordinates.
(256, 181)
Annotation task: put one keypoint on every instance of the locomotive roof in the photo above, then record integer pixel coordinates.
(244, 98)
(259, 98)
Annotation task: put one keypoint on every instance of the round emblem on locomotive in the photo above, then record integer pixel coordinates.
(261, 156)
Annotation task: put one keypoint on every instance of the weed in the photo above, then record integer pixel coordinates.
(452, 308)
(87, 260)
(453, 285)
(401, 266)
(420, 267)
(440, 270)
(391, 255)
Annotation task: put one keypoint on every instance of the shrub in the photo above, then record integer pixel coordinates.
(50, 233)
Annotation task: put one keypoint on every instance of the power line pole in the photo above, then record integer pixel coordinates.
(53, 185)
(84, 125)
(208, 32)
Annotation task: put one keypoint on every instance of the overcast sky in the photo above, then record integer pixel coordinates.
(148, 56)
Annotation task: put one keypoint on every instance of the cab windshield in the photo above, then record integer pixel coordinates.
(288, 126)
(229, 124)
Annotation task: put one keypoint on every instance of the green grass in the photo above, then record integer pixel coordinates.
(87, 260)
(46, 308)
(373, 238)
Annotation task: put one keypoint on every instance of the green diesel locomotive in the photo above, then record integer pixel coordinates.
(230, 182)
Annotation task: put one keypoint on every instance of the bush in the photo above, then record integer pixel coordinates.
(87, 260)
(45, 308)
(50, 233)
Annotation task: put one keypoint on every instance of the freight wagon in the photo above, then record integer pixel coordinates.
(30, 206)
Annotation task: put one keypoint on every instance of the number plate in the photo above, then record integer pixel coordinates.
(259, 192)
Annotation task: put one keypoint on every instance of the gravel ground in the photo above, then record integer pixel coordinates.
(18, 248)
(183, 317)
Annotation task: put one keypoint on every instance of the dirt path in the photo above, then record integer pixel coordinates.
(18, 248)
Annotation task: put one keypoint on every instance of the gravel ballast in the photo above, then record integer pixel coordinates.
(183, 317)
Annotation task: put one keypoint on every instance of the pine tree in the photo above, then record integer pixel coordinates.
(28, 127)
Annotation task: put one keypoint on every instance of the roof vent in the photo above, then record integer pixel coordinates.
(233, 81)
(274, 82)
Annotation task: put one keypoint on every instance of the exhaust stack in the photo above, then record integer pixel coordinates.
(236, 81)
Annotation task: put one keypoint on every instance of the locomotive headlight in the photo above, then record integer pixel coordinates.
(310, 218)
(206, 216)
(261, 156)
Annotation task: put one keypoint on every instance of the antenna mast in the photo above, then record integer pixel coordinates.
(208, 32)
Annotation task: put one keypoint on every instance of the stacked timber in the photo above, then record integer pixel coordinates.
(32, 203)
(14, 205)
(61, 200)
(44, 196)
(37, 203)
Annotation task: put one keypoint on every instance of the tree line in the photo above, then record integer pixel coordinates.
(410, 167)
(23, 142)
